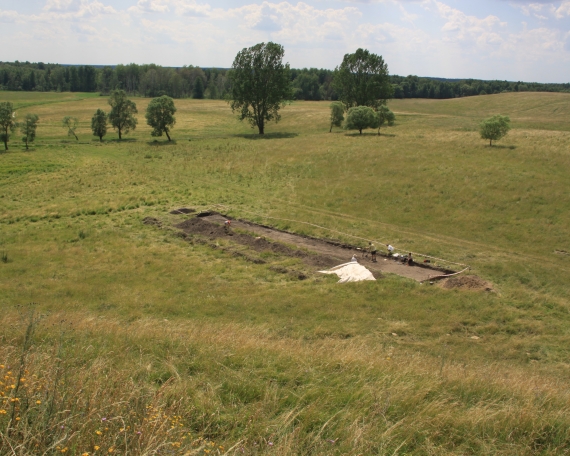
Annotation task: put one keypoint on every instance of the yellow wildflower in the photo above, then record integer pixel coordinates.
(96, 447)
(38, 402)
(98, 432)
(85, 454)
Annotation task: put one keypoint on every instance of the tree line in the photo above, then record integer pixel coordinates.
(260, 86)
(214, 83)
(159, 115)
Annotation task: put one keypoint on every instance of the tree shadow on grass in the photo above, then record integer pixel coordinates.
(120, 140)
(368, 133)
(276, 135)
(156, 143)
(500, 146)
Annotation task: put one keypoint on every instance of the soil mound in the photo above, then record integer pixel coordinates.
(468, 282)
(152, 221)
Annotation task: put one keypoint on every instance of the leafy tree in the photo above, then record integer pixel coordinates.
(160, 115)
(362, 80)
(28, 128)
(260, 84)
(360, 118)
(494, 128)
(337, 114)
(198, 89)
(99, 124)
(71, 124)
(7, 122)
(122, 112)
(384, 116)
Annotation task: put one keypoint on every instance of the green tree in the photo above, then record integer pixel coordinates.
(213, 90)
(71, 124)
(362, 80)
(494, 128)
(99, 124)
(337, 114)
(198, 92)
(122, 112)
(360, 118)
(160, 115)
(7, 122)
(384, 116)
(261, 84)
(28, 128)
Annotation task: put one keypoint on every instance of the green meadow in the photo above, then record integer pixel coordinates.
(147, 343)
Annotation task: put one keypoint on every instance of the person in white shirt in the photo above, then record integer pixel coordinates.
(390, 250)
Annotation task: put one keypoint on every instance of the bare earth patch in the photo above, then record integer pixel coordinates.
(466, 282)
(313, 252)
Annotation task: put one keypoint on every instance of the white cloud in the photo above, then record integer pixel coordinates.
(75, 8)
(192, 8)
(95, 8)
(471, 29)
(537, 10)
(300, 23)
(150, 6)
(563, 10)
(62, 5)
(84, 29)
(9, 16)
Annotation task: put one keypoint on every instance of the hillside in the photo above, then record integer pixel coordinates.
(143, 329)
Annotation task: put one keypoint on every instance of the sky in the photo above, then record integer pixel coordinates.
(483, 39)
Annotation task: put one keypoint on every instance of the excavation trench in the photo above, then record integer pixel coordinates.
(316, 253)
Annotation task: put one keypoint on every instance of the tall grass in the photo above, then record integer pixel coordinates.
(158, 387)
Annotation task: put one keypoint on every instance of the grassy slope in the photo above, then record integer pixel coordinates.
(71, 225)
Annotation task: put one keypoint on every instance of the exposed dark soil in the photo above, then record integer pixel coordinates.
(316, 253)
(259, 244)
(466, 282)
(152, 221)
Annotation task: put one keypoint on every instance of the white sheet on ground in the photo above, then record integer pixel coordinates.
(350, 272)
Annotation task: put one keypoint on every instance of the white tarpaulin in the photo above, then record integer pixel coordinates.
(350, 272)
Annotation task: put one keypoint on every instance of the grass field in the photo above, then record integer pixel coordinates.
(149, 344)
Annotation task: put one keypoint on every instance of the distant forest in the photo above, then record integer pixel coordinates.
(194, 82)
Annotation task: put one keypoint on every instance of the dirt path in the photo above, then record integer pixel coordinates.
(333, 253)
